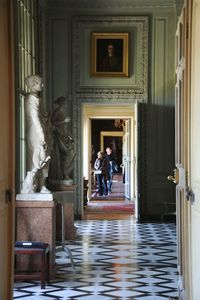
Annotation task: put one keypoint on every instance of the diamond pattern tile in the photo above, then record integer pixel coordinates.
(114, 259)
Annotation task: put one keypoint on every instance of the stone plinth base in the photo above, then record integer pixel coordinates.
(36, 221)
(60, 185)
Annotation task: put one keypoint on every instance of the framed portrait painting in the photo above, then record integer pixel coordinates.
(109, 54)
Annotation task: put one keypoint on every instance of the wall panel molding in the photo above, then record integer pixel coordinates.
(108, 88)
(151, 80)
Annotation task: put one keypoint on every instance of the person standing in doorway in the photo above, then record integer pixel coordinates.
(101, 167)
(112, 168)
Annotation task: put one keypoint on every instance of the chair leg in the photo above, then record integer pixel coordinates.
(70, 256)
(47, 266)
(43, 270)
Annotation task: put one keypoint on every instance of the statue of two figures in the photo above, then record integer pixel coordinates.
(50, 147)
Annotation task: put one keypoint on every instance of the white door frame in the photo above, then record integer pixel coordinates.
(107, 111)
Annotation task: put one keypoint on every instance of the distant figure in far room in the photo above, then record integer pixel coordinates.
(63, 146)
(36, 137)
(112, 167)
(101, 167)
(111, 62)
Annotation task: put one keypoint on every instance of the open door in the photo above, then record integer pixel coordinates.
(135, 159)
(6, 154)
(194, 176)
(126, 159)
(130, 159)
(182, 151)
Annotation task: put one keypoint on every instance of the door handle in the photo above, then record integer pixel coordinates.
(171, 178)
(174, 178)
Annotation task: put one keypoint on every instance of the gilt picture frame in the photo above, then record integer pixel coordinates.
(109, 54)
(106, 138)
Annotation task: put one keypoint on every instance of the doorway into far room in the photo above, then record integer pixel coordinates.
(108, 133)
(115, 125)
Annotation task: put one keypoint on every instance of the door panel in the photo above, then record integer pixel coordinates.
(126, 159)
(135, 159)
(194, 179)
(6, 157)
(182, 150)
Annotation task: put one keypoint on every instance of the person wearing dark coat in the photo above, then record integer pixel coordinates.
(101, 167)
(112, 168)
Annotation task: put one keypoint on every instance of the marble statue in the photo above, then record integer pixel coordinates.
(63, 146)
(36, 150)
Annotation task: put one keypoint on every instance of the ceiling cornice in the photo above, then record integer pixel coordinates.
(114, 4)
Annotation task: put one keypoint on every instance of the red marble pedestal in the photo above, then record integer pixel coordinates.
(36, 221)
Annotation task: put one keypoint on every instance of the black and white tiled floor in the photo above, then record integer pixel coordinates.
(115, 259)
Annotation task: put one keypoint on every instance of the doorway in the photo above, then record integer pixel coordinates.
(102, 113)
(108, 133)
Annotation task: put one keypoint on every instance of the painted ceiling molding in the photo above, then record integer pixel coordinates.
(130, 89)
(114, 4)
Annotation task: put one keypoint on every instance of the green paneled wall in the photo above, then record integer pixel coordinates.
(68, 25)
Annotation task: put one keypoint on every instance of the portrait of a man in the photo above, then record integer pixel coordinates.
(109, 54)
